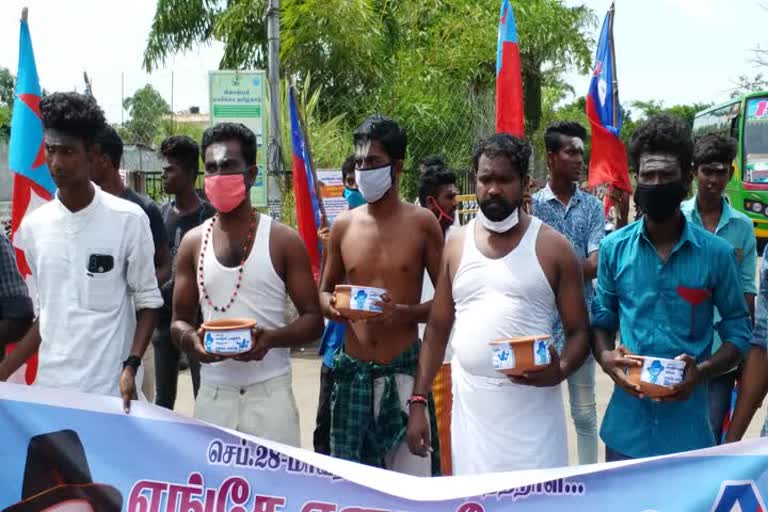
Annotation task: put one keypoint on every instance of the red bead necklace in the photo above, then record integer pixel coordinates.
(247, 246)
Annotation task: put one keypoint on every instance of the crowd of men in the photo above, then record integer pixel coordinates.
(413, 388)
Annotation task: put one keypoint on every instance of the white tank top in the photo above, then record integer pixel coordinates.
(498, 298)
(261, 297)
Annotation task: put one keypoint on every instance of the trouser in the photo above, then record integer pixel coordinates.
(614, 456)
(720, 390)
(167, 368)
(581, 390)
(148, 382)
(264, 409)
(322, 435)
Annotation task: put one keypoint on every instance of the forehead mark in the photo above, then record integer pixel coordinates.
(577, 143)
(363, 149)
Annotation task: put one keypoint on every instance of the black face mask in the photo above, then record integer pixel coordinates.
(660, 202)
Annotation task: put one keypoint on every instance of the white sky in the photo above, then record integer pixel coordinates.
(677, 51)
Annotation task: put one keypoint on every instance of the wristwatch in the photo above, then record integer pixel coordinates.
(132, 361)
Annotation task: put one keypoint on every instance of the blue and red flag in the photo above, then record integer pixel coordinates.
(304, 189)
(608, 160)
(509, 82)
(32, 182)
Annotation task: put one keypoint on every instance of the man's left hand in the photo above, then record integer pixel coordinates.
(390, 311)
(259, 346)
(550, 375)
(128, 387)
(692, 377)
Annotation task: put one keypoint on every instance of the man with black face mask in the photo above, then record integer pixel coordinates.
(659, 281)
(503, 275)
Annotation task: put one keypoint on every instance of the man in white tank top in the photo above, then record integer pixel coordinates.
(503, 275)
(386, 243)
(241, 264)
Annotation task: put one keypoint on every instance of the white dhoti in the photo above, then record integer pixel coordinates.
(498, 425)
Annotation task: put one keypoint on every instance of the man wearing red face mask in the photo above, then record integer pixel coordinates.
(240, 265)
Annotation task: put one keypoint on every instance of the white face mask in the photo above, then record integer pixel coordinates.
(501, 226)
(374, 183)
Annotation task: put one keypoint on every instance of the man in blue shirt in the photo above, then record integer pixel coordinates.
(659, 281)
(579, 217)
(713, 156)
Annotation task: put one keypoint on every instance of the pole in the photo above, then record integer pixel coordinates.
(274, 153)
(615, 84)
(122, 98)
(308, 149)
(172, 106)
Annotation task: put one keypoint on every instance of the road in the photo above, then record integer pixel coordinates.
(306, 381)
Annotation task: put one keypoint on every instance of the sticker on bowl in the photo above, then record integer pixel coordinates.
(503, 357)
(236, 341)
(662, 372)
(541, 355)
(365, 299)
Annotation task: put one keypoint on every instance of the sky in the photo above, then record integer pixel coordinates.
(676, 51)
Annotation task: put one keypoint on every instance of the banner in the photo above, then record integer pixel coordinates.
(240, 97)
(332, 192)
(65, 451)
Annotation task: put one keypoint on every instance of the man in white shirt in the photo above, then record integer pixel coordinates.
(92, 259)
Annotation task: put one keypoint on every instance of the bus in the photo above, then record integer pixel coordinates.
(744, 118)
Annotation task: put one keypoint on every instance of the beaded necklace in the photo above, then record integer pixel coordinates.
(247, 246)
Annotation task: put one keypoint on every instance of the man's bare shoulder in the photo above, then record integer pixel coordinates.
(286, 235)
(193, 237)
(554, 242)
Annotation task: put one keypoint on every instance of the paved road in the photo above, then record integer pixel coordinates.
(306, 379)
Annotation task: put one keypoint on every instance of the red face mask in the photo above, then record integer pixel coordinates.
(441, 213)
(225, 191)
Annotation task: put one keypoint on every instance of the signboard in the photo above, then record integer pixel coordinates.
(757, 109)
(332, 192)
(240, 97)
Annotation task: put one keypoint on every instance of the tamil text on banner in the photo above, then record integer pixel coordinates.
(32, 182)
(76, 452)
(240, 97)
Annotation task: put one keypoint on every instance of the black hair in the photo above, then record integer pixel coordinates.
(384, 130)
(431, 181)
(432, 162)
(714, 148)
(554, 132)
(662, 134)
(348, 167)
(184, 150)
(110, 144)
(72, 114)
(232, 131)
(514, 149)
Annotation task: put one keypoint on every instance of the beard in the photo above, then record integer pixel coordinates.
(497, 209)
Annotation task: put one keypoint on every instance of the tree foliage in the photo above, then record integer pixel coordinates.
(428, 63)
(146, 109)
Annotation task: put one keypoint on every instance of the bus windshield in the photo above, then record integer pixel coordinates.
(756, 141)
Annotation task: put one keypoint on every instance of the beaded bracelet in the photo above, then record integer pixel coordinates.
(417, 399)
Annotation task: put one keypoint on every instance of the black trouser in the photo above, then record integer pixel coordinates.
(322, 437)
(167, 368)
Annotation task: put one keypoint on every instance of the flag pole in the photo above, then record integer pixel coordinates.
(24, 13)
(308, 148)
(615, 81)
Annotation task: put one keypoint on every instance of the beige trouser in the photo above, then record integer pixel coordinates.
(148, 382)
(265, 409)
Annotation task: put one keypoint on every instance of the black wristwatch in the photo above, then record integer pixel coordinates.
(132, 361)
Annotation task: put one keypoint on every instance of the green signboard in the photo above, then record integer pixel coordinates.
(240, 97)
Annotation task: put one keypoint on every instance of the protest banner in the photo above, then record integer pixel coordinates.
(71, 451)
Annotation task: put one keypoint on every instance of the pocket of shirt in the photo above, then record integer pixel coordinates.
(102, 291)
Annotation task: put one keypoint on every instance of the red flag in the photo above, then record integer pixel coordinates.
(509, 83)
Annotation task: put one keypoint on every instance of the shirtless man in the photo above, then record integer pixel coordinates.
(385, 243)
(503, 275)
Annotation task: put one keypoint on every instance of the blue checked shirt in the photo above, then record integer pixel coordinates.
(582, 222)
(14, 298)
(652, 303)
